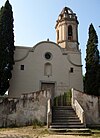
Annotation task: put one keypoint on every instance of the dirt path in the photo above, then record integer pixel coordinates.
(66, 136)
(29, 132)
(45, 136)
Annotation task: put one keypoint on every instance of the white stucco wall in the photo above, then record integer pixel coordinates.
(90, 105)
(33, 59)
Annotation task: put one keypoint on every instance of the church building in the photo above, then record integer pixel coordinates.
(55, 67)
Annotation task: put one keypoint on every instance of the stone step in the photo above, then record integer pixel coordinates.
(64, 111)
(67, 123)
(71, 131)
(65, 120)
(62, 107)
(56, 111)
(63, 114)
(65, 117)
(67, 126)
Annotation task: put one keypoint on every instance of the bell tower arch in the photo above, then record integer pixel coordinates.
(67, 30)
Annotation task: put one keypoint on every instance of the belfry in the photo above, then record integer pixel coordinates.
(67, 30)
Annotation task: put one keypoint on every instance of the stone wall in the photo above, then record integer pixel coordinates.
(24, 110)
(91, 106)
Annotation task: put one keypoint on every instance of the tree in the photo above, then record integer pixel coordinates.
(92, 63)
(6, 46)
(84, 82)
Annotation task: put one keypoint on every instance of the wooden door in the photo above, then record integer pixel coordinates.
(50, 88)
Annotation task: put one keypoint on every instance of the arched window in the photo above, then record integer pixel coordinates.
(47, 69)
(70, 32)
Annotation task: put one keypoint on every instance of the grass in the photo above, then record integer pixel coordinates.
(96, 133)
(29, 131)
(96, 136)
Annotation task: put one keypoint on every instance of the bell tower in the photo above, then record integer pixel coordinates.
(67, 30)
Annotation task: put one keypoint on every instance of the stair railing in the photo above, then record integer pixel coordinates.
(80, 112)
(49, 113)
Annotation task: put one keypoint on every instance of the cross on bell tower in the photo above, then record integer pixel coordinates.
(67, 30)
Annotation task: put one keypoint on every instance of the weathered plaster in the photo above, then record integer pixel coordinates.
(91, 106)
(24, 110)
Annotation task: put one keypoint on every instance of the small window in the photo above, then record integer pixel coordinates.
(71, 70)
(22, 67)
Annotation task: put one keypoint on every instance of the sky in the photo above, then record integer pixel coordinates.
(34, 20)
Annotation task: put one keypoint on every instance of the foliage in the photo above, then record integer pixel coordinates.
(37, 123)
(6, 46)
(84, 82)
(92, 64)
(63, 100)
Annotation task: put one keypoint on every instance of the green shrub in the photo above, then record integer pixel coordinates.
(63, 100)
(37, 123)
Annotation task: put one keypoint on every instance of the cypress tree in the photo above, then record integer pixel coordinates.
(92, 63)
(6, 46)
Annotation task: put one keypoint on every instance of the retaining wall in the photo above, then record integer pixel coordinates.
(91, 106)
(24, 110)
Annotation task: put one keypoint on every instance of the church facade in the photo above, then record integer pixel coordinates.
(55, 67)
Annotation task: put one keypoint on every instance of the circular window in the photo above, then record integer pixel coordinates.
(48, 55)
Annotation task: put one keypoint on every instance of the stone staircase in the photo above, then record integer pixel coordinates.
(64, 117)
